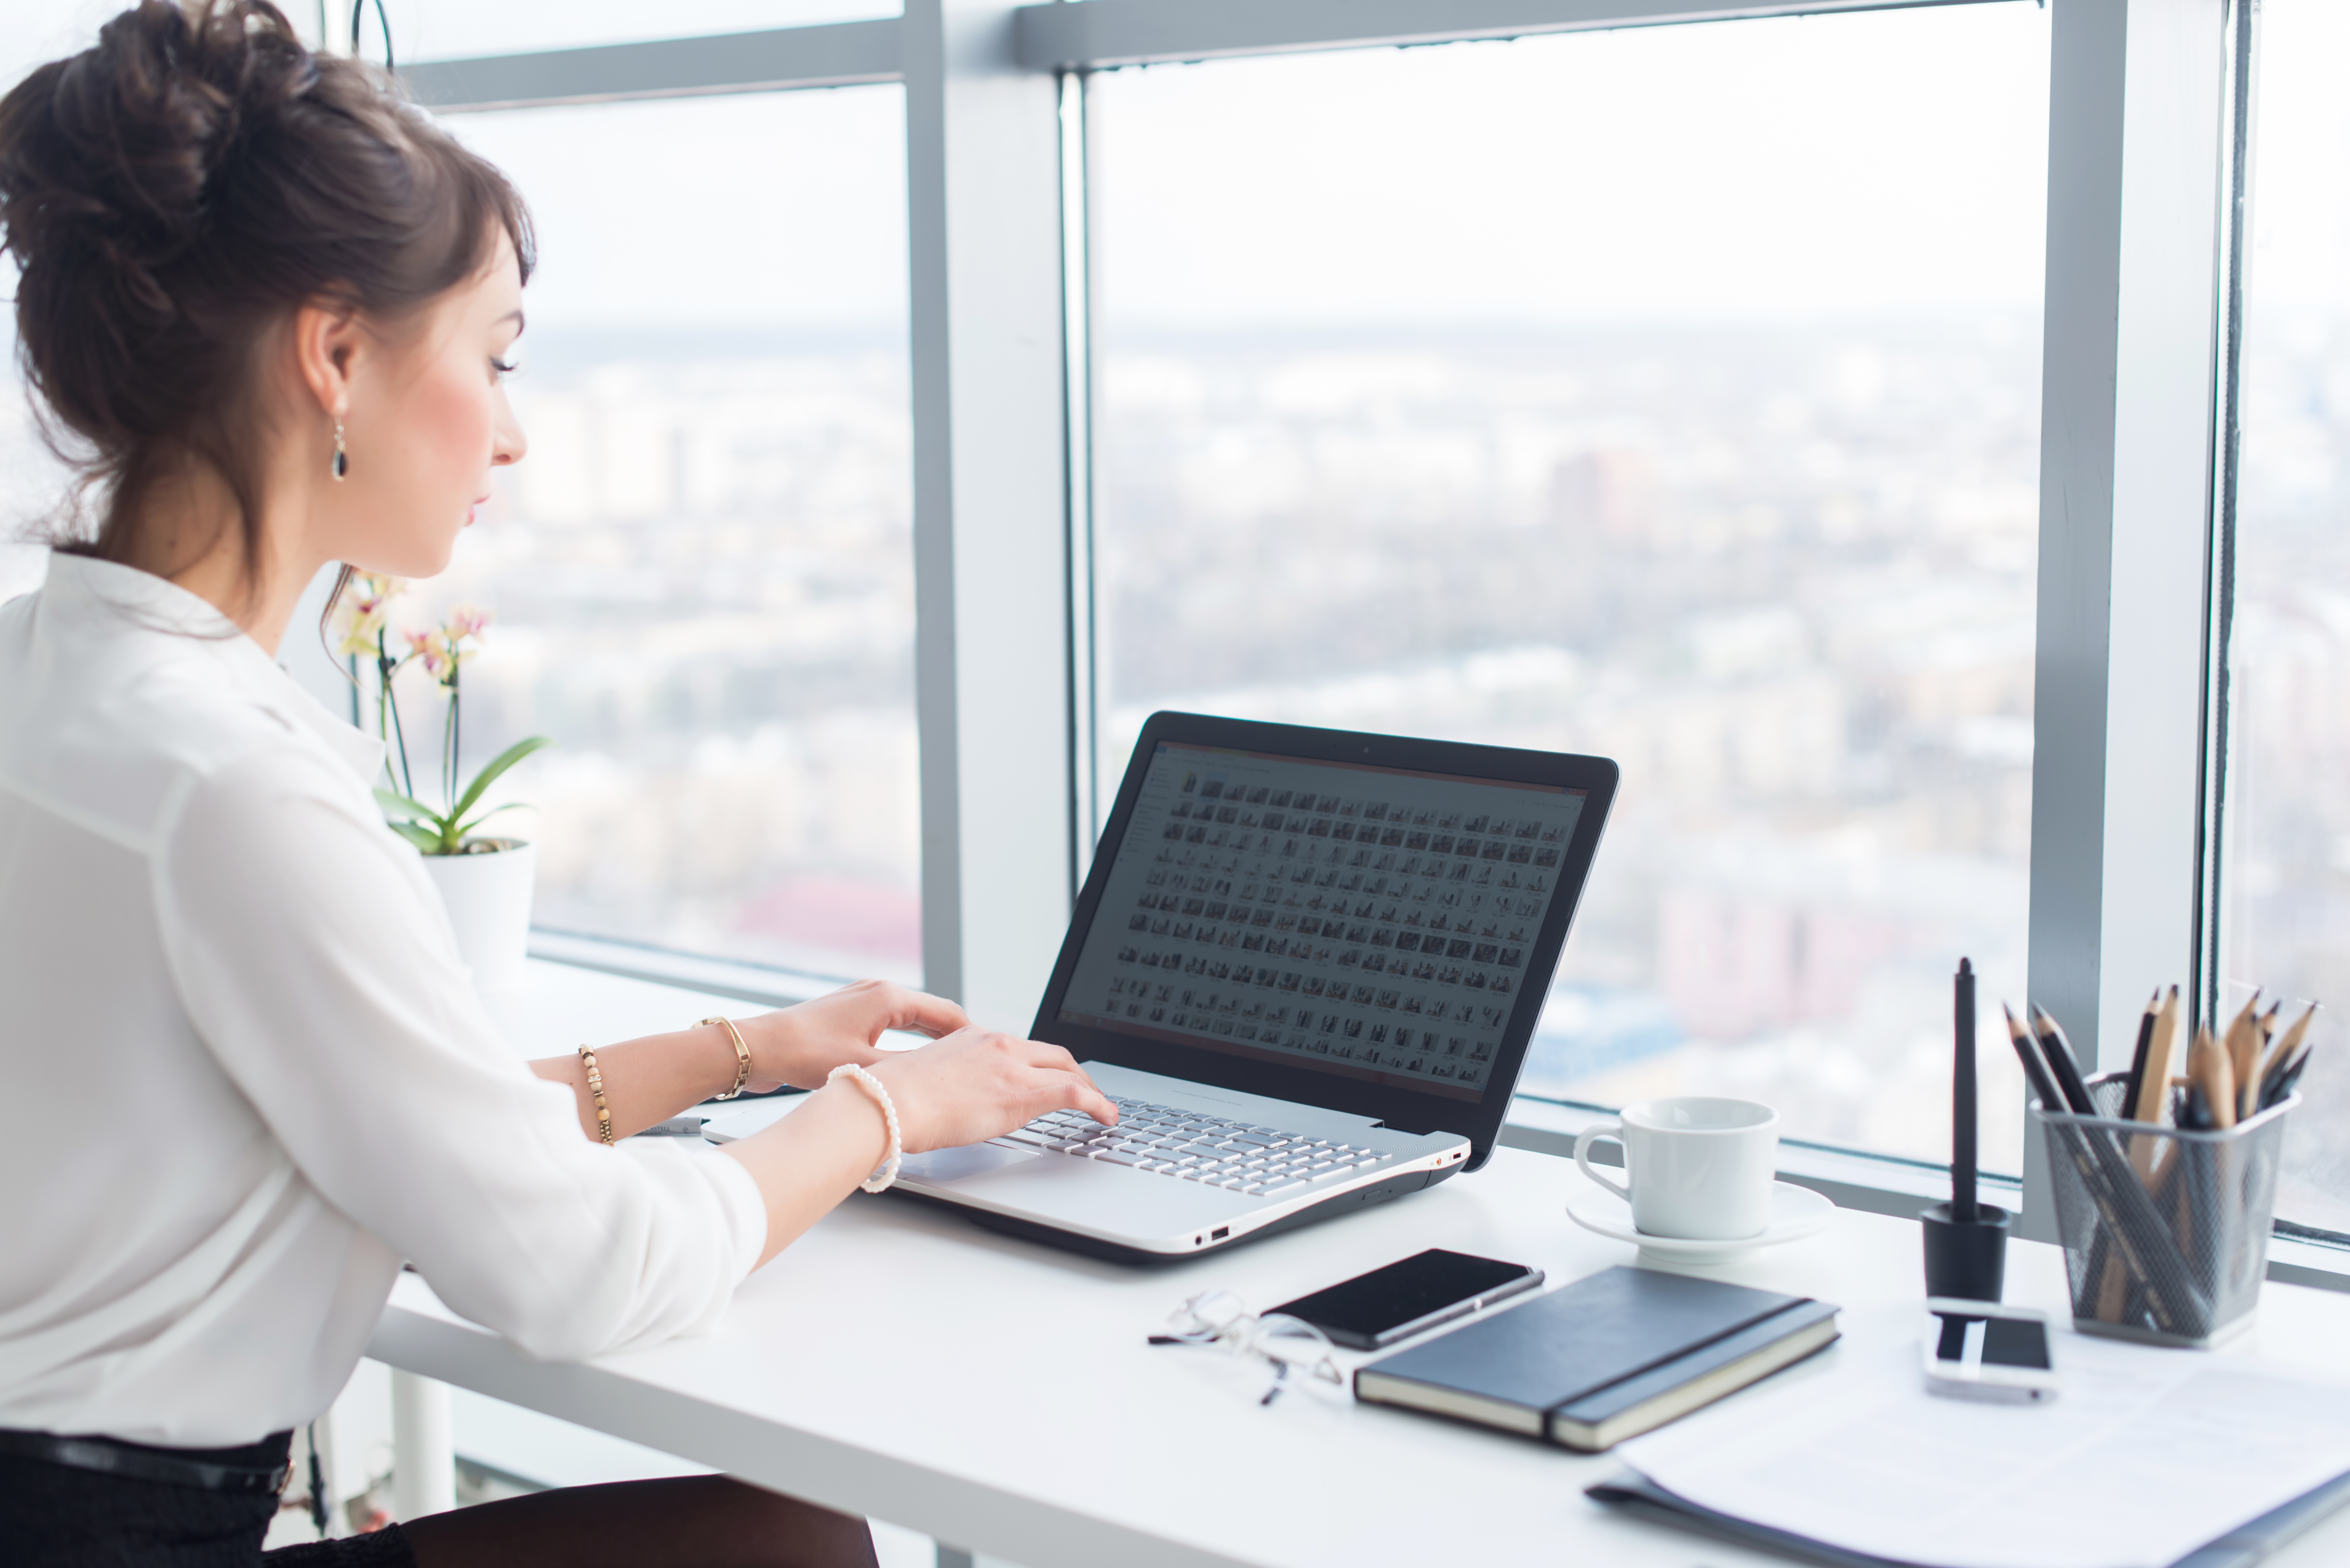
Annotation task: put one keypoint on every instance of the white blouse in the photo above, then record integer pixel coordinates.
(243, 1071)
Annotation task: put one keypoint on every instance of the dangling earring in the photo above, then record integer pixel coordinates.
(342, 463)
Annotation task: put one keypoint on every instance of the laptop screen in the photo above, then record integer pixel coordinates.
(1365, 922)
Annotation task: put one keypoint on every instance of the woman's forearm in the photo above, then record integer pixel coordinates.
(647, 1081)
(807, 1162)
(969, 1086)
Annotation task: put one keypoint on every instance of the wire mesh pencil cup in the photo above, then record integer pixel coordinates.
(2166, 1231)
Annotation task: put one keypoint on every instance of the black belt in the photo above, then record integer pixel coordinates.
(257, 1466)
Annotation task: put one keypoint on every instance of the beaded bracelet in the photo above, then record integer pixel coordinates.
(887, 1172)
(596, 1088)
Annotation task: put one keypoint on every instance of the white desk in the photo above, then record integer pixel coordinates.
(900, 1362)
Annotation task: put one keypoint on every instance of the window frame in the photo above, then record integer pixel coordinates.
(2147, 127)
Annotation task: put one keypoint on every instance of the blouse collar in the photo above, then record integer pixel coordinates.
(87, 586)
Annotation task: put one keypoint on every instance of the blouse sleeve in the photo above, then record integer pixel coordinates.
(318, 963)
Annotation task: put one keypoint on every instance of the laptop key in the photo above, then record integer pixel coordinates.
(1118, 1157)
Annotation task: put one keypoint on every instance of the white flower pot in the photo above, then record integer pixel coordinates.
(488, 898)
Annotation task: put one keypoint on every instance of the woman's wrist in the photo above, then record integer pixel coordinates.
(738, 1064)
(876, 1095)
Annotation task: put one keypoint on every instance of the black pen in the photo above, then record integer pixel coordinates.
(1962, 1098)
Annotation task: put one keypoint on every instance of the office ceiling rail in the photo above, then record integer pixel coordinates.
(839, 54)
(1094, 34)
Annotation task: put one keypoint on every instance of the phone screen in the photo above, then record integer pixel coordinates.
(1993, 1341)
(1364, 1310)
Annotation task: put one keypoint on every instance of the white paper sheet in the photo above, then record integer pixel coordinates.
(2145, 1455)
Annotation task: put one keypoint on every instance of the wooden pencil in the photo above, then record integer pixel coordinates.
(2242, 1045)
(2213, 1077)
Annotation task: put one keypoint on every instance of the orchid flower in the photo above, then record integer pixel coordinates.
(431, 649)
(444, 650)
(367, 609)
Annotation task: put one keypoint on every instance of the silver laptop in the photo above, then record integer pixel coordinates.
(1305, 965)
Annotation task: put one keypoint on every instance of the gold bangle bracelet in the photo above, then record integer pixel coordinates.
(741, 1055)
(596, 1088)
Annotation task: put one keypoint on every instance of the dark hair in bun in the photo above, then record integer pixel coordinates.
(173, 194)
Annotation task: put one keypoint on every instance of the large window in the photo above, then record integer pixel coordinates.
(1668, 394)
(31, 481)
(702, 571)
(2287, 876)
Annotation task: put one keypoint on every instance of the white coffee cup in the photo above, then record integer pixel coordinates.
(1697, 1168)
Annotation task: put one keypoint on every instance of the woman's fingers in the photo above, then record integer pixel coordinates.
(1080, 1092)
(880, 1004)
(932, 1015)
(1038, 1054)
(977, 1084)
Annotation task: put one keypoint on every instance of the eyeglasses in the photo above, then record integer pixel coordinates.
(1219, 1318)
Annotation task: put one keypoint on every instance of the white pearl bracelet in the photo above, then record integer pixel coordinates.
(887, 1172)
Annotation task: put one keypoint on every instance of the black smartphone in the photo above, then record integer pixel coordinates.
(1374, 1310)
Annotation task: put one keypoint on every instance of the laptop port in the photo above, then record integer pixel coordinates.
(1220, 1232)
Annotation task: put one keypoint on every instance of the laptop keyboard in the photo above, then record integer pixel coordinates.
(1165, 1141)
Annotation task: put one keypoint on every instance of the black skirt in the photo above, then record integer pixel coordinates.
(61, 1515)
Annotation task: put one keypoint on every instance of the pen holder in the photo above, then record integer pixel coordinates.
(1965, 1257)
(2166, 1232)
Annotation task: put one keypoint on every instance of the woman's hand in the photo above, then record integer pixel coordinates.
(972, 1086)
(977, 1084)
(800, 1045)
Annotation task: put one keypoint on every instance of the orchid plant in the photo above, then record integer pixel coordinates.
(443, 652)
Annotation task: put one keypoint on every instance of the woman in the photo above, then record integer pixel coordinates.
(266, 308)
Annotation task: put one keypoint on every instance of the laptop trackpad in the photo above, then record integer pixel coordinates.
(972, 1160)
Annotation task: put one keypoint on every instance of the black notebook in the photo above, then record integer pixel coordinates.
(1604, 1359)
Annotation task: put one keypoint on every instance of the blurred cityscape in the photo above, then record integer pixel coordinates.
(2287, 882)
(1782, 574)
(704, 580)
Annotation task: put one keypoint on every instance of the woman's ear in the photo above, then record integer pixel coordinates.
(327, 341)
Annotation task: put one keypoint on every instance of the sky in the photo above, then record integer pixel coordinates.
(1871, 161)
(2301, 159)
(1885, 161)
(768, 209)
(1889, 159)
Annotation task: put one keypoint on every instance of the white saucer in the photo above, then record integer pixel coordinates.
(1795, 1212)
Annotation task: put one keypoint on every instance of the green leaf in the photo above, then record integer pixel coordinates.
(465, 829)
(425, 839)
(496, 766)
(400, 806)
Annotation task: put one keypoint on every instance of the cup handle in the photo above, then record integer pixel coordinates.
(1612, 1132)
